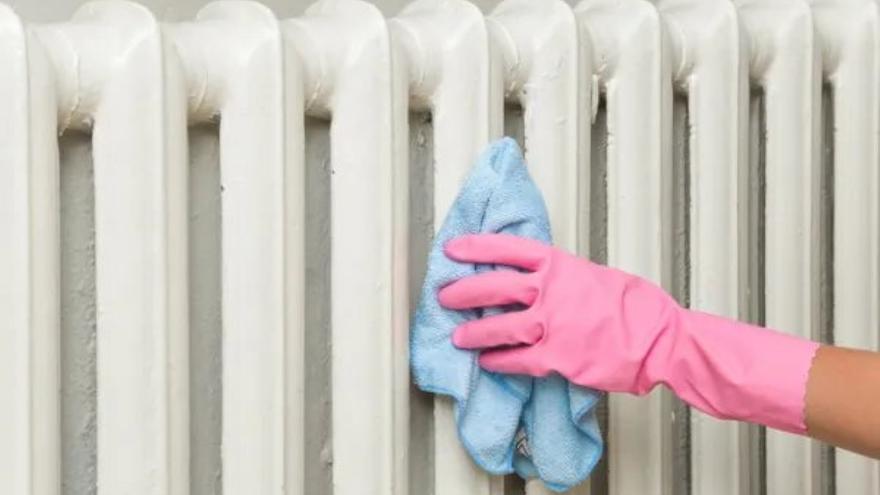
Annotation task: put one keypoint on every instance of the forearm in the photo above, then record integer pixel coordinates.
(608, 330)
(829, 393)
(843, 399)
(732, 370)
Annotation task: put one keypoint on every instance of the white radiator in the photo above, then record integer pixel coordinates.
(729, 151)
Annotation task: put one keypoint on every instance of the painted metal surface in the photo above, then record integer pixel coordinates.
(240, 71)
(849, 33)
(113, 70)
(710, 66)
(548, 73)
(30, 450)
(784, 64)
(630, 50)
(453, 75)
(350, 79)
(112, 78)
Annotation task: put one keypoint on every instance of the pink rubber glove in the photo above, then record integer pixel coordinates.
(604, 329)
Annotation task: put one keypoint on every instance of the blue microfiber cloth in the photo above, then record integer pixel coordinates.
(542, 427)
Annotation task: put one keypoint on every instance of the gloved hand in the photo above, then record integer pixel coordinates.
(605, 329)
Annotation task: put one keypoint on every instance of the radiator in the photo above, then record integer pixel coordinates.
(727, 150)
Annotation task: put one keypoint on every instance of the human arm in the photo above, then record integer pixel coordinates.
(843, 399)
(612, 331)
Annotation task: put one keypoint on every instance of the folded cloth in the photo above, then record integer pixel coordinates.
(542, 427)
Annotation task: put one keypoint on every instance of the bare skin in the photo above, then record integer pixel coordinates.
(843, 399)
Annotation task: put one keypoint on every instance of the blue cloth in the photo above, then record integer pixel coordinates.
(542, 427)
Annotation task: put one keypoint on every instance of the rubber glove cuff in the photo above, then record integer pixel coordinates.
(733, 370)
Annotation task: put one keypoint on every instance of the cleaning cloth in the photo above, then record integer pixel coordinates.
(536, 427)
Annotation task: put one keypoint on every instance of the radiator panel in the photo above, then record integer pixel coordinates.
(29, 266)
(261, 161)
(137, 107)
(852, 68)
(361, 103)
(711, 69)
(452, 71)
(546, 58)
(779, 218)
(630, 42)
(786, 66)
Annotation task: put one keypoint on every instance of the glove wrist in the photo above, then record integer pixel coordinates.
(732, 370)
